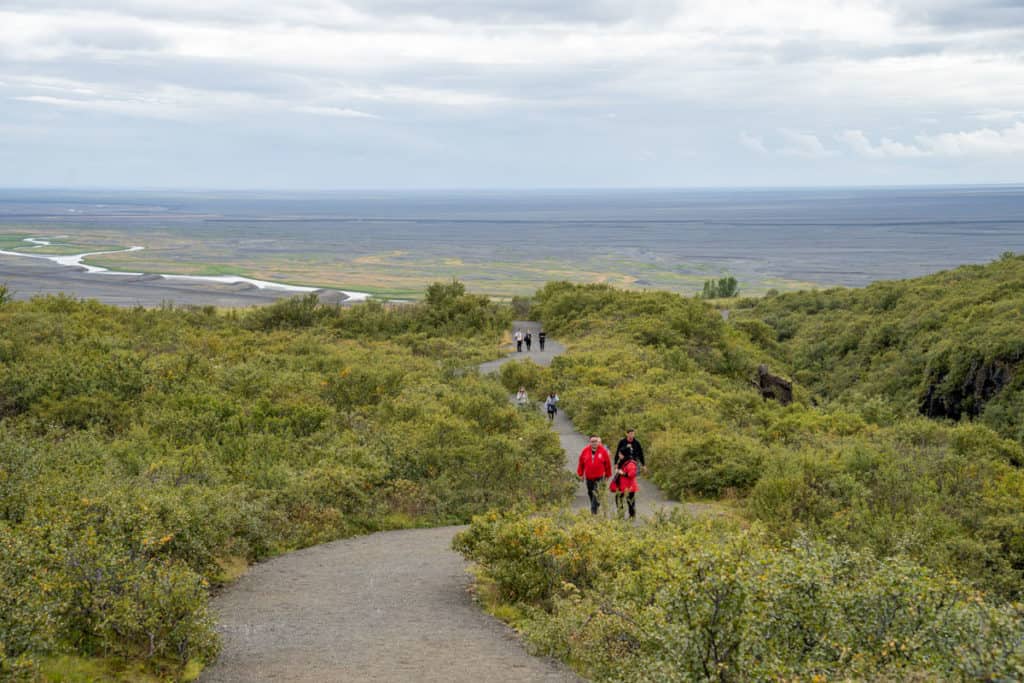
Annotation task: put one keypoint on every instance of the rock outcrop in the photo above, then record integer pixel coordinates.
(773, 386)
(980, 384)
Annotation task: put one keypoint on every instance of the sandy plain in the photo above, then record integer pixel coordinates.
(29, 277)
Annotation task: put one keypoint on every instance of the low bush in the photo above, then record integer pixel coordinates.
(527, 374)
(862, 471)
(143, 450)
(679, 600)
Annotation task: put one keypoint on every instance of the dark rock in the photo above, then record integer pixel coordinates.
(773, 386)
(980, 385)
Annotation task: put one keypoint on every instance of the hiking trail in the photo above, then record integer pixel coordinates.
(390, 606)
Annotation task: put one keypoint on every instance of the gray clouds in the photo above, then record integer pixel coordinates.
(485, 91)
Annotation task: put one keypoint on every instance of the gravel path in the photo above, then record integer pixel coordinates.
(391, 606)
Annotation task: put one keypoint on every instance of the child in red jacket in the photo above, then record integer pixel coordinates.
(624, 484)
(594, 466)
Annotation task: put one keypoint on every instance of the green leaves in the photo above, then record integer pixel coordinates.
(682, 601)
(139, 449)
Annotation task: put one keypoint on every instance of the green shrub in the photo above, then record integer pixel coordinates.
(706, 463)
(946, 345)
(860, 467)
(677, 600)
(142, 450)
(527, 374)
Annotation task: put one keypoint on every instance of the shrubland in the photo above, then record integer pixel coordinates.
(949, 495)
(846, 496)
(948, 345)
(681, 600)
(145, 455)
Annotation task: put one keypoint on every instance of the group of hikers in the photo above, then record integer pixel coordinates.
(550, 403)
(595, 465)
(521, 337)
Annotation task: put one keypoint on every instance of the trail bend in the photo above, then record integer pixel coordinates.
(390, 606)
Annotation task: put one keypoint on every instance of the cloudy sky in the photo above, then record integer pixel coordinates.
(324, 94)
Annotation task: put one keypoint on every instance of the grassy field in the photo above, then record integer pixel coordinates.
(395, 273)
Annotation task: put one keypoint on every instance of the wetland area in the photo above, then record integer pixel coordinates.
(246, 248)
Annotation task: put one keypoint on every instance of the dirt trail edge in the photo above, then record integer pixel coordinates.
(391, 606)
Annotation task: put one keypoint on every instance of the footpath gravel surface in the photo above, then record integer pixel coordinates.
(391, 606)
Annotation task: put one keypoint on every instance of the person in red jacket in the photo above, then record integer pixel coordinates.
(624, 484)
(595, 465)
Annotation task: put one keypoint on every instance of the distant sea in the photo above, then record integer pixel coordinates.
(825, 236)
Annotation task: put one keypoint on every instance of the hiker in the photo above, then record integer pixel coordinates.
(541, 337)
(630, 446)
(529, 339)
(550, 404)
(594, 466)
(518, 336)
(521, 398)
(624, 484)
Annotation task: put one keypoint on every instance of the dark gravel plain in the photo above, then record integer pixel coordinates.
(29, 277)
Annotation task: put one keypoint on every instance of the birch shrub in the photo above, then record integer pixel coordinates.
(679, 600)
(145, 452)
(866, 472)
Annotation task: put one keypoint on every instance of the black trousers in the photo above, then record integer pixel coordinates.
(630, 503)
(592, 493)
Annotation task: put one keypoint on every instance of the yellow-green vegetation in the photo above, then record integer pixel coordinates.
(395, 273)
(862, 489)
(58, 247)
(404, 274)
(11, 241)
(143, 452)
(946, 345)
(72, 669)
(678, 600)
(950, 495)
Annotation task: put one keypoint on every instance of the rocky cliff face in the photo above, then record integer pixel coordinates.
(980, 384)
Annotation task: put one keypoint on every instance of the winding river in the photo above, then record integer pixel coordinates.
(77, 261)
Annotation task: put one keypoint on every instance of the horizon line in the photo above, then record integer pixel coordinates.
(502, 189)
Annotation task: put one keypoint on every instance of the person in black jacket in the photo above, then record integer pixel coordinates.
(630, 447)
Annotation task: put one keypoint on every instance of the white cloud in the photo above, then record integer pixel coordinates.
(419, 95)
(887, 148)
(984, 142)
(527, 76)
(341, 112)
(142, 108)
(753, 142)
(998, 115)
(804, 145)
(169, 102)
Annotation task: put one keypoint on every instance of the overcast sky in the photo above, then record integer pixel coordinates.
(325, 94)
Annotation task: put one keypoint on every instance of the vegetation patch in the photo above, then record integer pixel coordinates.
(874, 542)
(677, 600)
(146, 455)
